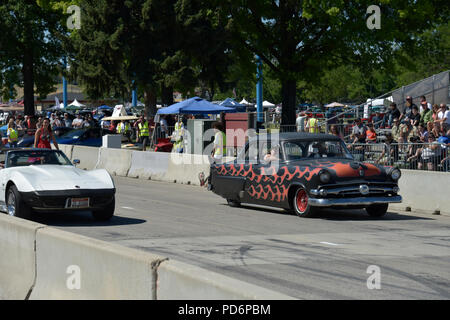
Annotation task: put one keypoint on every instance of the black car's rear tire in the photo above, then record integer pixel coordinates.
(233, 203)
(15, 206)
(106, 213)
(377, 210)
(301, 205)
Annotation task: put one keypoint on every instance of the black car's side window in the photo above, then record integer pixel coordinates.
(295, 151)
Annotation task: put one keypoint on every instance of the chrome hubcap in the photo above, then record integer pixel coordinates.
(11, 204)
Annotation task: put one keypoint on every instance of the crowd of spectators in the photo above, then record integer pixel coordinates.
(134, 131)
(418, 136)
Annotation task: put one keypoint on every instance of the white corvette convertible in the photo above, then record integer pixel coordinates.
(46, 180)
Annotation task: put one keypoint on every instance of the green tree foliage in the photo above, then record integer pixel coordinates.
(300, 40)
(430, 55)
(30, 48)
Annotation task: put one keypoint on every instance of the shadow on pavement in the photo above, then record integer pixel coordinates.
(339, 215)
(80, 219)
(361, 215)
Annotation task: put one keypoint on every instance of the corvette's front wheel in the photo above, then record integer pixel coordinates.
(106, 213)
(14, 204)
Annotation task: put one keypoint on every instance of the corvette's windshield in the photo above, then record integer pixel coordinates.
(22, 158)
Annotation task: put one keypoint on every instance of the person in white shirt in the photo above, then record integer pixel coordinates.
(424, 103)
(444, 118)
(77, 122)
(164, 128)
(300, 122)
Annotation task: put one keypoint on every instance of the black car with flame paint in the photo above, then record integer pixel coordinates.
(304, 172)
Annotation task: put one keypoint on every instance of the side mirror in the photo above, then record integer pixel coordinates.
(76, 161)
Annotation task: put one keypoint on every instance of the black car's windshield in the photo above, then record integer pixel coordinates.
(296, 150)
(21, 158)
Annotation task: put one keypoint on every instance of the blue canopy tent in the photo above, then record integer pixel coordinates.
(195, 106)
(230, 103)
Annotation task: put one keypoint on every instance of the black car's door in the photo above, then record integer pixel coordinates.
(262, 185)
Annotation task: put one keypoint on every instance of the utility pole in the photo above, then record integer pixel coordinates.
(64, 85)
(259, 89)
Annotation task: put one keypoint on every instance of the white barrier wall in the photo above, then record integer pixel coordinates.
(115, 161)
(425, 191)
(72, 267)
(181, 281)
(40, 262)
(421, 190)
(88, 156)
(17, 257)
(149, 165)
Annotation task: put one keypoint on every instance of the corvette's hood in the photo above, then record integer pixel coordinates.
(57, 177)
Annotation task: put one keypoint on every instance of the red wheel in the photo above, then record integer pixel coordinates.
(301, 204)
(302, 201)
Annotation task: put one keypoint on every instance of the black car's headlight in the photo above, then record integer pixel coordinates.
(395, 174)
(324, 176)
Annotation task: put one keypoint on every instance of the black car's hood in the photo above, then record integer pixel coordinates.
(343, 168)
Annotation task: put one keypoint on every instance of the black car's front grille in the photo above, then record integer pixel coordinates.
(375, 189)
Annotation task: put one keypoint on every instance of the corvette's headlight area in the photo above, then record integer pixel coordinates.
(324, 176)
(395, 174)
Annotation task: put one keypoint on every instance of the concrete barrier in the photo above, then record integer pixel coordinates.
(88, 156)
(185, 168)
(17, 257)
(181, 281)
(149, 165)
(66, 148)
(425, 191)
(159, 166)
(40, 262)
(115, 161)
(70, 266)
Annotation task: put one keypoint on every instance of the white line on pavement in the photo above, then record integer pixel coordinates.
(330, 243)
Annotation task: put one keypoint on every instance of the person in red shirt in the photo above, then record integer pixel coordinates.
(44, 136)
(371, 134)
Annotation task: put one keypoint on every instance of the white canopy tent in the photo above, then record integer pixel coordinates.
(268, 104)
(119, 113)
(334, 104)
(245, 102)
(76, 104)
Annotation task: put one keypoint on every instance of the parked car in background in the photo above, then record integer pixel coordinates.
(27, 141)
(91, 137)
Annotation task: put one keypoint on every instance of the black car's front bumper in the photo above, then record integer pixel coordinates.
(59, 199)
(358, 201)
